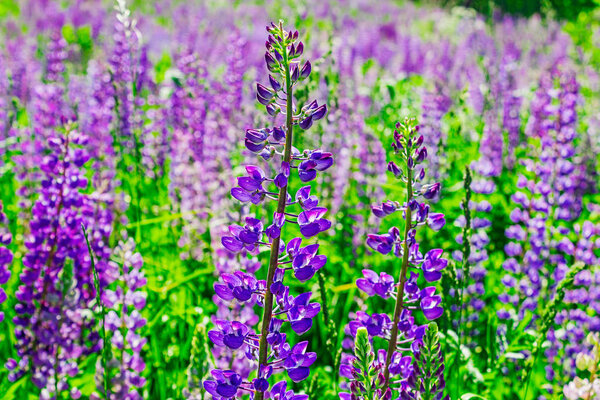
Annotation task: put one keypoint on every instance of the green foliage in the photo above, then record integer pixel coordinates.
(81, 37)
(9, 8)
(561, 9)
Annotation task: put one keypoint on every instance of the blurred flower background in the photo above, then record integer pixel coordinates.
(151, 205)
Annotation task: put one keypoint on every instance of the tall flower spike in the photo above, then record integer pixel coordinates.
(57, 286)
(401, 332)
(6, 256)
(281, 309)
(124, 321)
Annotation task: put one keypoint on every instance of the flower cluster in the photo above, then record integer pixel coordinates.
(511, 104)
(403, 334)
(124, 321)
(53, 328)
(269, 348)
(435, 105)
(6, 257)
(229, 265)
(543, 244)
(581, 306)
(549, 197)
(122, 64)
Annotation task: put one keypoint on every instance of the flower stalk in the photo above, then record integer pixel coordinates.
(400, 298)
(268, 310)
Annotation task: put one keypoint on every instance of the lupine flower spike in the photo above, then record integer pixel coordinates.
(269, 347)
(404, 337)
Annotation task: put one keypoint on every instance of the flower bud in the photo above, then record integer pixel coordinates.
(419, 141)
(306, 68)
(319, 112)
(431, 190)
(306, 123)
(264, 92)
(273, 109)
(387, 395)
(295, 73)
(274, 83)
(271, 63)
(380, 379)
(262, 100)
(394, 169)
(278, 134)
(422, 155)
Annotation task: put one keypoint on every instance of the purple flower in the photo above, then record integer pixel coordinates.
(225, 384)
(280, 392)
(311, 223)
(408, 144)
(297, 363)
(433, 264)
(306, 201)
(305, 260)
(275, 144)
(238, 285)
(243, 237)
(384, 209)
(302, 312)
(372, 284)
(316, 161)
(230, 334)
(430, 305)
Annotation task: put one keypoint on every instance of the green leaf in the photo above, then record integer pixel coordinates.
(471, 396)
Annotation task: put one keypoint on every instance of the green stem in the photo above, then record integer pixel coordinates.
(465, 268)
(268, 309)
(105, 346)
(400, 298)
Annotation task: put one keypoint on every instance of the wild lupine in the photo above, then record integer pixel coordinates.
(190, 183)
(5, 115)
(124, 54)
(549, 197)
(511, 101)
(97, 122)
(269, 347)
(435, 105)
(52, 328)
(124, 322)
(473, 256)
(579, 313)
(401, 331)
(6, 256)
(48, 109)
(540, 251)
(235, 270)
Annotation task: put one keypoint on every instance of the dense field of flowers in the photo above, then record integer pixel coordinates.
(368, 200)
